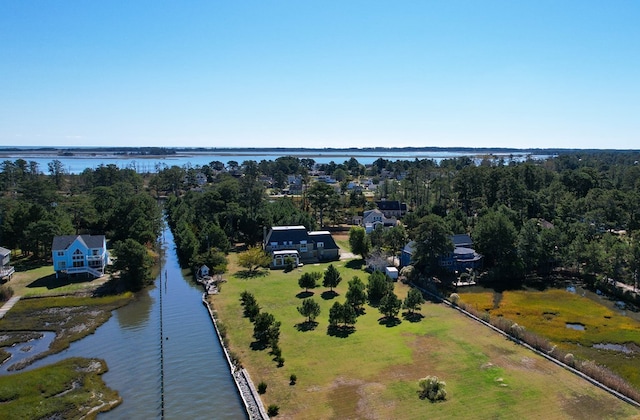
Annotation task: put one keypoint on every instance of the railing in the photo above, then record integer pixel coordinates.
(84, 269)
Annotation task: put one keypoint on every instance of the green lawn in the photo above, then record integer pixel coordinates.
(373, 373)
(42, 281)
(547, 314)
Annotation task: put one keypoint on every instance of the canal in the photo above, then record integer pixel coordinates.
(197, 381)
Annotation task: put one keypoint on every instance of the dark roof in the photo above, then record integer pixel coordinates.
(462, 240)
(280, 234)
(325, 237)
(61, 243)
(391, 205)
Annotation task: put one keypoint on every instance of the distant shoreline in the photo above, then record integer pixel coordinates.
(155, 152)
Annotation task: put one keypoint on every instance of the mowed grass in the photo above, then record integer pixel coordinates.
(547, 314)
(373, 373)
(42, 281)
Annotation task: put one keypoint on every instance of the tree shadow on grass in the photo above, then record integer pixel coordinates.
(248, 274)
(341, 331)
(258, 345)
(51, 282)
(412, 316)
(389, 321)
(355, 264)
(304, 295)
(306, 326)
(329, 294)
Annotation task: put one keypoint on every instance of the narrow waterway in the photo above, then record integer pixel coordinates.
(197, 382)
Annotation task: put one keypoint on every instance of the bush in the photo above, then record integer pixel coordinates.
(432, 389)
(273, 410)
(293, 379)
(262, 387)
(454, 298)
(280, 361)
(5, 293)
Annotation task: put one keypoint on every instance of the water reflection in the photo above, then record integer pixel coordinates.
(136, 315)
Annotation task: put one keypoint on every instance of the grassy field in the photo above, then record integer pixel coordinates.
(547, 313)
(72, 388)
(373, 372)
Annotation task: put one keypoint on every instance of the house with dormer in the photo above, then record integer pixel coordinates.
(373, 218)
(295, 243)
(75, 254)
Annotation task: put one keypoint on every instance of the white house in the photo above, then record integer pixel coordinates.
(73, 254)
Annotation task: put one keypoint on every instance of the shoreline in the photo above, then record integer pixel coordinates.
(246, 389)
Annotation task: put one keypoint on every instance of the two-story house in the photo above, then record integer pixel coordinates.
(392, 208)
(462, 257)
(73, 254)
(300, 245)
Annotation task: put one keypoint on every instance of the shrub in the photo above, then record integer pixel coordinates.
(432, 389)
(273, 410)
(280, 361)
(5, 293)
(262, 387)
(454, 298)
(293, 379)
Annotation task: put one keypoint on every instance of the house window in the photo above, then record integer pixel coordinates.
(95, 252)
(320, 244)
(78, 258)
(303, 246)
(60, 253)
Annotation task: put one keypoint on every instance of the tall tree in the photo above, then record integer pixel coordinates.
(332, 277)
(390, 305)
(413, 300)
(432, 239)
(310, 309)
(358, 241)
(309, 280)
(356, 294)
(322, 198)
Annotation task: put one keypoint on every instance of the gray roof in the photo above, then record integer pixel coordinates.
(280, 234)
(324, 237)
(296, 234)
(462, 240)
(61, 243)
(4, 252)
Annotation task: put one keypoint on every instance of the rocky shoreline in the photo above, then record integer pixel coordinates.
(246, 389)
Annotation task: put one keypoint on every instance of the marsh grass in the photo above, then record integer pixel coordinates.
(547, 313)
(373, 371)
(72, 388)
(71, 318)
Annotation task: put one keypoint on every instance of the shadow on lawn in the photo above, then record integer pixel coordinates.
(329, 294)
(258, 345)
(412, 316)
(355, 264)
(51, 282)
(389, 321)
(341, 331)
(249, 274)
(306, 326)
(304, 295)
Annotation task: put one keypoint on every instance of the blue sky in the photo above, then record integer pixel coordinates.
(520, 74)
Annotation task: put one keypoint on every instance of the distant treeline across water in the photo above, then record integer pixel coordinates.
(144, 160)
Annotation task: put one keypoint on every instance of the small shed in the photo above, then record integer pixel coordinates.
(392, 272)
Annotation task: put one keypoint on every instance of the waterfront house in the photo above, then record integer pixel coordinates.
(461, 258)
(297, 244)
(74, 254)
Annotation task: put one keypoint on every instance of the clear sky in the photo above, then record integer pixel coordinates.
(303, 73)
